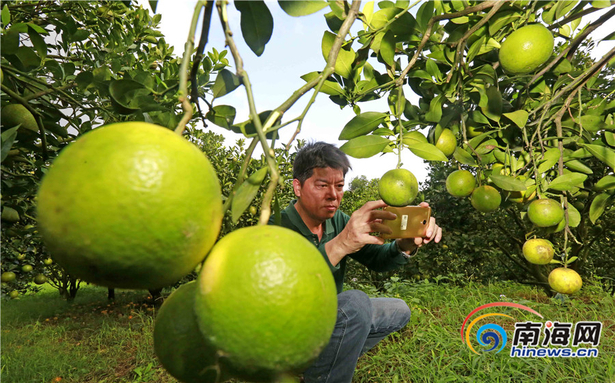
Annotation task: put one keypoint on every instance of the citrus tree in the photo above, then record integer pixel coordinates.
(68, 68)
(528, 119)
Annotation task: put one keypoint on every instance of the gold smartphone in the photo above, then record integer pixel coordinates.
(411, 222)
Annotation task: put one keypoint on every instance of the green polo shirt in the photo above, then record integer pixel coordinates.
(376, 257)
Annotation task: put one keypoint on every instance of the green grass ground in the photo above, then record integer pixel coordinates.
(45, 339)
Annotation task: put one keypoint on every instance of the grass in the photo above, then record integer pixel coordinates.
(45, 339)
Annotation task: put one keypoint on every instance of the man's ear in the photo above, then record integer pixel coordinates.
(297, 187)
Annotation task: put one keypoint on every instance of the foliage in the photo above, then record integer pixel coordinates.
(76, 66)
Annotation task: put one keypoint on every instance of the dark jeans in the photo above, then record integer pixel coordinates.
(361, 323)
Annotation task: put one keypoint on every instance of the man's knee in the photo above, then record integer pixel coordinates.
(404, 312)
(356, 309)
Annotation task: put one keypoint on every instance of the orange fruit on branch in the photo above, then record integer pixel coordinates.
(545, 212)
(269, 307)
(538, 251)
(526, 49)
(130, 205)
(486, 199)
(460, 183)
(565, 280)
(398, 187)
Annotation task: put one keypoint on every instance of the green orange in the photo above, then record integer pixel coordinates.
(545, 212)
(460, 183)
(447, 142)
(486, 199)
(538, 251)
(179, 344)
(398, 187)
(40, 279)
(8, 276)
(267, 301)
(565, 280)
(130, 205)
(16, 114)
(526, 49)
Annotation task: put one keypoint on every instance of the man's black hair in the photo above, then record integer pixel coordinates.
(318, 155)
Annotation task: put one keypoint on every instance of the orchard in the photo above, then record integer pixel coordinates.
(113, 175)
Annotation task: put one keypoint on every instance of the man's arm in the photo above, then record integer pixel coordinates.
(356, 233)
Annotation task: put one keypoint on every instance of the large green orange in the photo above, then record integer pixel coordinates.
(179, 344)
(267, 301)
(130, 205)
(15, 114)
(398, 187)
(486, 199)
(460, 183)
(526, 49)
(545, 212)
(565, 280)
(538, 251)
(447, 142)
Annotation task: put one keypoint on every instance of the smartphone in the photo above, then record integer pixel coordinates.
(411, 222)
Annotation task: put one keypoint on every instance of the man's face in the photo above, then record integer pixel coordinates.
(320, 195)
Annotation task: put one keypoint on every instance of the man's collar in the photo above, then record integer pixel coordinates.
(296, 219)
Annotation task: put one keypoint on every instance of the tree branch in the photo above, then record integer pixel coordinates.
(477, 8)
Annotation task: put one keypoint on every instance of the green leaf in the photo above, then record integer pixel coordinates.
(362, 124)
(574, 217)
(605, 183)
(563, 7)
(332, 88)
(345, 58)
(397, 104)
(602, 153)
(609, 137)
(493, 106)
(567, 181)
(6, 15)
(426, 151)
(222, 115)
(298, 8)
(578, 166)
(501, 19)
(601, 3)
(125, 93)
(508, 183)
(432, 69)
(248, 129)
(84, 79)
(464, 157)
(8, 137)
(256, 24)
(10, 42)
(153, 4)
(564, 66)
(38, 43)
(435, 109)
(225, 83)
(387, 49)
(598, 206)
(519, 117)
(476, 47)
(365, 146)
(246, 193)
(550, 158)
(424, 14)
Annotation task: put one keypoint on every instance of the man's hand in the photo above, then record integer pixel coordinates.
(433, 233)
(356, 234)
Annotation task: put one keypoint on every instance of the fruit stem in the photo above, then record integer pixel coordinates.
(243, 76)
(183, 70)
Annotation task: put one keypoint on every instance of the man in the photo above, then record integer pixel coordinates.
(318, 183)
